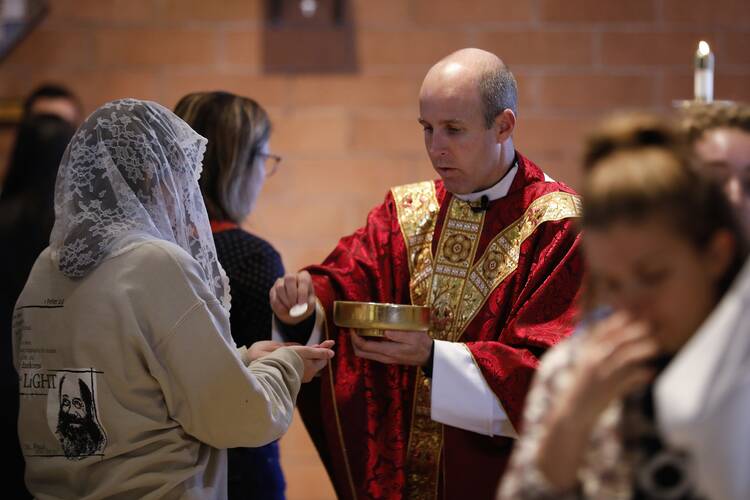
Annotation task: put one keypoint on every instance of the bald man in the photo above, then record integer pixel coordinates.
(492, 249)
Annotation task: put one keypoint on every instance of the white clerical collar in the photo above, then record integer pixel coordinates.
(499, 190)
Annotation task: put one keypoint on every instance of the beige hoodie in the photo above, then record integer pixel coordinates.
(131, 384)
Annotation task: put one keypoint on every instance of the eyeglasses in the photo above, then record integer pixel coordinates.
(275, 160)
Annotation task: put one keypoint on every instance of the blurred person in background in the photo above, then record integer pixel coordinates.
(26, 218)
(703, 397)
(54, 99)
(720, 134)
(235, 166)
(663, 245)
(51, 100)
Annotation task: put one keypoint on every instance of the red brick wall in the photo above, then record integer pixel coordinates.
(345, 139)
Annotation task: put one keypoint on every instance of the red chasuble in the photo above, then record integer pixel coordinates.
(503, 281)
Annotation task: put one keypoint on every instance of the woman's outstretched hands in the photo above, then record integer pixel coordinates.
(314, 357)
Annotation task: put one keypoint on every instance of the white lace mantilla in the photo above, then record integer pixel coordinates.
(130, 173)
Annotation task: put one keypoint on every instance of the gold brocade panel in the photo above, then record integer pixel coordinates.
(455, 253)
(455, 289)
(417, 208)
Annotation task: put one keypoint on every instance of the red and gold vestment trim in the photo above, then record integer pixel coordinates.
(455, 289)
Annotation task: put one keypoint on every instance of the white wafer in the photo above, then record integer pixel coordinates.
(297, 310)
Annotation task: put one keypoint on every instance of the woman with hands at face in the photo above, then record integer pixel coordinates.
(662, 246)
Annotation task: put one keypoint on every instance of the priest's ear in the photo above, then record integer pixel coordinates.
(504, 124)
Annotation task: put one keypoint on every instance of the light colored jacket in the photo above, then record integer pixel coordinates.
(131, 384)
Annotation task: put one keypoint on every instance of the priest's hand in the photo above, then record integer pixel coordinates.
(289, 291)
(398, 347)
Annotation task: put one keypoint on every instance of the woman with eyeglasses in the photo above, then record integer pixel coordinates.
(236, 163)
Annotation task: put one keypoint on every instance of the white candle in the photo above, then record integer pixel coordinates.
(703, 80)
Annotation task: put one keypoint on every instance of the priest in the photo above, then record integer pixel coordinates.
(492, 248)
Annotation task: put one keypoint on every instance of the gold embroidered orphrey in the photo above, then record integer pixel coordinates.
(455, 289)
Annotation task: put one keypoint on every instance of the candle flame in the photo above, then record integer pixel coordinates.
(703, 48)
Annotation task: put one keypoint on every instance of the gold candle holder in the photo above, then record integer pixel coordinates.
(371, 318)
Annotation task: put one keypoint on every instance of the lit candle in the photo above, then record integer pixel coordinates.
(703, 80)
(308, 7)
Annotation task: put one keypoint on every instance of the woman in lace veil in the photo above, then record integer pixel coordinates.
(131, 383)
(131, 173)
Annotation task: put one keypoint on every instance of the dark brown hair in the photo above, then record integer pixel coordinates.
(698, 118)
(640, 166)
(51, 91)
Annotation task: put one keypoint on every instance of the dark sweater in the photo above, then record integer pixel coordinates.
(252, 265)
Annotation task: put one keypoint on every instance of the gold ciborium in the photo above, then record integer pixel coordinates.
(371, 318)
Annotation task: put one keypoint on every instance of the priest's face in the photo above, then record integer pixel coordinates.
(463, 151)
(726, 151)
(645, 269)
